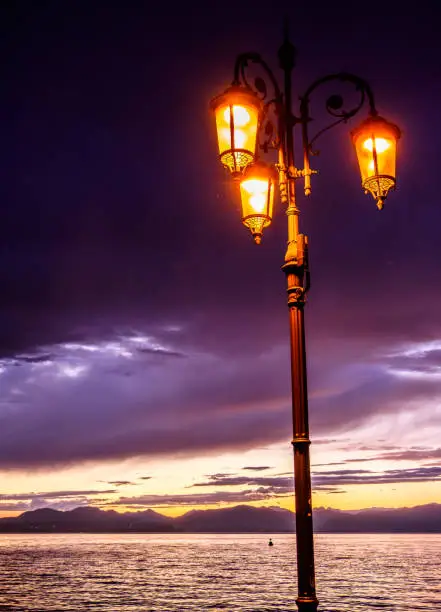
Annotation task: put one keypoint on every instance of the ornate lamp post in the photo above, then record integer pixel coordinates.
(243, 126)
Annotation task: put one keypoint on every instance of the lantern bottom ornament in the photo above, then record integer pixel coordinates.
(236, 161)
(256, 225)
(379, 187)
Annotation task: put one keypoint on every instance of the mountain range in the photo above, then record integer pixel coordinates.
(238, 519)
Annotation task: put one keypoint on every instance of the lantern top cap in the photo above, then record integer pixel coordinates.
(236, 94)
(375, 122)
(259, 168)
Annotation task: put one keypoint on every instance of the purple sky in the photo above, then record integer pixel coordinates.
(137, 317)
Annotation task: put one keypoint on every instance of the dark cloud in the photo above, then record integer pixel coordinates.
(405, 454)
(194, 499)
(246, 410)
(53, 494)
(58, 500)
(158, 351)
(355, 477)
(267, 488)
(330, 463)
(412, 455)
(228, 481)
(42, 358)
(377, 391)
(257, 468)
(121, 483)
(151, 422)
(14, 507)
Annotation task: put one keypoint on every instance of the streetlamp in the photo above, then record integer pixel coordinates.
(244, 126)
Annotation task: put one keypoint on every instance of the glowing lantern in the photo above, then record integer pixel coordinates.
(375, 142)
(237, 113)
(257, 196)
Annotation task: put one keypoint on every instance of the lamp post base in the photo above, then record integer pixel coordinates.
(307, 604)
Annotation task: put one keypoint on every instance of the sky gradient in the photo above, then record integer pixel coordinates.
(143, 335)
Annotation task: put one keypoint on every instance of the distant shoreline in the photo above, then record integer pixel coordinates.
(242, 519)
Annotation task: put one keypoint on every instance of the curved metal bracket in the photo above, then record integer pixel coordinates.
(271, 137)
(335, 107)
(260, 87)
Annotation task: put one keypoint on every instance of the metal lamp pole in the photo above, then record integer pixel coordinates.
(297, 277)
(375, 143)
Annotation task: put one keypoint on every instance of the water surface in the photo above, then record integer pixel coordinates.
(178, 573)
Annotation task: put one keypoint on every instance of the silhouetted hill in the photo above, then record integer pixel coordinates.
(239, 519)
(86, 519)
(420, 519)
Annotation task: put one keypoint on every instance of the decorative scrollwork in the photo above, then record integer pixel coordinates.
(335, 104)
(260, 87)
(269, 136)
(335, 107)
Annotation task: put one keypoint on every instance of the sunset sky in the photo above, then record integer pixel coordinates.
(143, 335)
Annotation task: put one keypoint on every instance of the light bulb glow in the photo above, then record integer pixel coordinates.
(381, 144)
(258, 190)
(240, 137)
(240, 116)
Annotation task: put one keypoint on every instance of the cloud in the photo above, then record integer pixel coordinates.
(229, 481)
(355, 477)
(393, 453)
(331, 463)
(58, 500)
(151, 422)
(54, 494)
(246, 410)
(257, 468)
(69, 504)
(106, 393)
(410, 454)
(195, 499)
(261, 488)
(38, 358)
(121, 483)
(14, 507)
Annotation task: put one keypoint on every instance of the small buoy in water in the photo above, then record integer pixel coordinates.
(270, 543)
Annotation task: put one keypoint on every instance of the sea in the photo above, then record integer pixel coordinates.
(210, 572)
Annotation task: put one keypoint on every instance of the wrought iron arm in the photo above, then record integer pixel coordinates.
(334, 106)
(259, 84)
(331, 105)
(259, 87)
